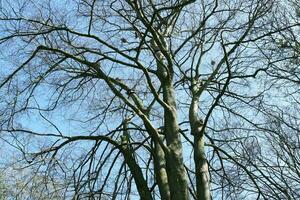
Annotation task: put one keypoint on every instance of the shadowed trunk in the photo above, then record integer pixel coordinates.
(175, 167)
(135, 169)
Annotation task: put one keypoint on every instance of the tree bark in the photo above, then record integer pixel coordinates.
(137, 174)
(176, 173)
(160, 172)
(201, 164)
(177, 176)
(135, 169)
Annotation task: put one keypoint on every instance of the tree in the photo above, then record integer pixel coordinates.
(160, 99)
(3, 189)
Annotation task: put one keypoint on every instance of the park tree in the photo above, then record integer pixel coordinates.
(151, 99)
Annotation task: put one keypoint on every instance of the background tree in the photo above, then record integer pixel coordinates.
(156, 99)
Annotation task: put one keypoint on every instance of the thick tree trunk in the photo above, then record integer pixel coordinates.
(201, 164)
(176, 173)
(177, 176)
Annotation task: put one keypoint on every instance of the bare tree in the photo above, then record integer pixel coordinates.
(163, 99)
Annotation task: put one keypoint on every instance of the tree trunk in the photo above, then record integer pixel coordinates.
(201, 164)
(135, 169)
(177, 176)
(160, 172)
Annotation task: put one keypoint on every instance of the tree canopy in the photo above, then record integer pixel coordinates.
(150, 99)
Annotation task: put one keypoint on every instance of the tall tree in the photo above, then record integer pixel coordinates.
(163, 99)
